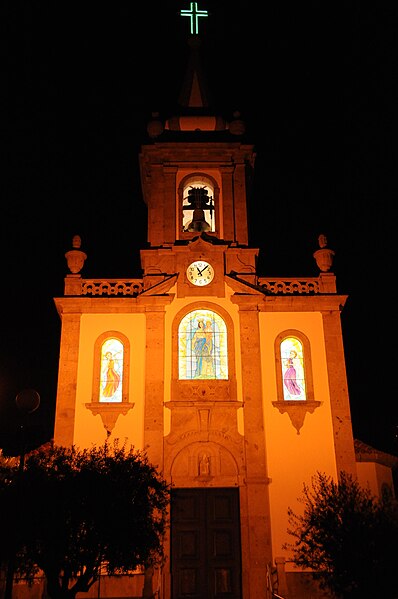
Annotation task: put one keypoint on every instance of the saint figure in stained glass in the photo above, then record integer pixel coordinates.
(111, 371)
(292, 369)
(203, 346)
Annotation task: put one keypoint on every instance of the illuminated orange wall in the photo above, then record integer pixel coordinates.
(293, 458)
(89, 429)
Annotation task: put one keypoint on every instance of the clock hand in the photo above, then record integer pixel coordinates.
(200, 272)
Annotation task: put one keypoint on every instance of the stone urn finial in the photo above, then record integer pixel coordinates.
(155, 126)
(237, 125)
(324, 256)
(75, 258)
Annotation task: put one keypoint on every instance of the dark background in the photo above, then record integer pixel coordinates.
(316, 84)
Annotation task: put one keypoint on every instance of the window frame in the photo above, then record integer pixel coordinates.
(97, 366)
(307, 365)
(208, 181)
(204, 389)
(110, 411)
(296, 408)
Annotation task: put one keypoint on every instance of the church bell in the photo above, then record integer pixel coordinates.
(199, 201)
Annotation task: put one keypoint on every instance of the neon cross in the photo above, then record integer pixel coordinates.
(194, 13)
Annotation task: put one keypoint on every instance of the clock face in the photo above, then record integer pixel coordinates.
(200, 273)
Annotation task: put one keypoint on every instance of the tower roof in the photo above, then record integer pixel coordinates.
(195, 112)
(194, 91)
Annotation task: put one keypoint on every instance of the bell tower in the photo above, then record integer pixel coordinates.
(195, 175)
(193, 190)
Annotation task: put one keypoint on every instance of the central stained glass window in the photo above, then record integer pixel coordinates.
(202, 346)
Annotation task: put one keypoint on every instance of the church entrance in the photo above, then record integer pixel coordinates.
(205, 544)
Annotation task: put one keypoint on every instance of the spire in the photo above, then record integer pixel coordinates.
(195, 114)
(194, 91)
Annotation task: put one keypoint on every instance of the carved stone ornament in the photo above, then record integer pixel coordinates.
(75, 258)
(204, 467)
(297, 410)
(324, 256)
(109, 412)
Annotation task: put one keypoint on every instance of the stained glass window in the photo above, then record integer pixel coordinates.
(293, 369)
(202, 346)
(111, 380)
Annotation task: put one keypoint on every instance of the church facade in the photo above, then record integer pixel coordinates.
(233, 383)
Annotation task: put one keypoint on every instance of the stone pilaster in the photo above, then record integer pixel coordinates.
(339, 399)
(255, 509)
(154, 385)
(67, 377)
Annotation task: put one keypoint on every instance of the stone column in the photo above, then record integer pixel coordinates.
(339, 399)
(281, 577)
(67, 377)
(240, 205)
(228, 231)
(170, 205)
(154, 402)
(154, 385)
(255, 508)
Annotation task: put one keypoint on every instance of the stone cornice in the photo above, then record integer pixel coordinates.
(111, 305)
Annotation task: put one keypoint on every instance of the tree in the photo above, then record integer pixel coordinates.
(75, 511)
(347, 537)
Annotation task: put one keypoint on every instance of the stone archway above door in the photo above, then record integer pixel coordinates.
(205, 463)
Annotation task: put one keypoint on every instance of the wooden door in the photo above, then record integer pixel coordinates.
(205, 544)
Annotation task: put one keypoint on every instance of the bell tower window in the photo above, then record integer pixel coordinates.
(198, 205)
(198, 209)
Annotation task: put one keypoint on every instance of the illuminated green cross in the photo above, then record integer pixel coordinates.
(194, 13)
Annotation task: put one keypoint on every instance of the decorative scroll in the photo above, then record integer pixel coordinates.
(296, 410)
(109, 412)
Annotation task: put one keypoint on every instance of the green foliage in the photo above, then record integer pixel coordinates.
(347, 537)
(76, 511)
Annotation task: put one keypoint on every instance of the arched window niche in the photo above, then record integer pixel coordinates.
(198, 194)
(294, 382)
(203, 354)
(110, 389)
(202, 346)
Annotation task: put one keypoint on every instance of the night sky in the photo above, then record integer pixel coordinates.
(316, 84)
